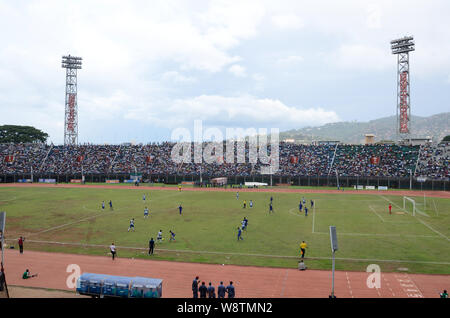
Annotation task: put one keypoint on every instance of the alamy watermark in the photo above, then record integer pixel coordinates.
(210, 146)
(374, 279)
(72, 279)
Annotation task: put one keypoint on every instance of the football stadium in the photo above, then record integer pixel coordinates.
(247, 217)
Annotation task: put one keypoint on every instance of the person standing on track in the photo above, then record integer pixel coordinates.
(211, 291)
(112, 248)
(203, 290)
(221, 290)
(195, 287)
(230, 290)
(21, 240)
(151, 246)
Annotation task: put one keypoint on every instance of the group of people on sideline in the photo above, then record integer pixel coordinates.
(210, 291)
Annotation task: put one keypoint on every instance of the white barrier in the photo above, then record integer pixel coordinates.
(384, 188)
(255, 184)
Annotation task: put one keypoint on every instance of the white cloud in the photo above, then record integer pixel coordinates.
(131, 50)
(241, 111)
(290, 60)
(176, 77)
(287, 21)
(237, 70)
(374, 16)
(362, 58)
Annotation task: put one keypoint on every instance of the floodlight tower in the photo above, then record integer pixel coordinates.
(402, 47)
(71, 64)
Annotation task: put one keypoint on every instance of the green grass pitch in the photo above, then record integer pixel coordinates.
(207, 229)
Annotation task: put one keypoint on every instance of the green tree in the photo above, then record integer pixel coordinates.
(446, 139)
(21, 134)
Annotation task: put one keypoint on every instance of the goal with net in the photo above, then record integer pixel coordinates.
(410, 204)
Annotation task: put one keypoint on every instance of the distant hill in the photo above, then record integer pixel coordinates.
(436, 126)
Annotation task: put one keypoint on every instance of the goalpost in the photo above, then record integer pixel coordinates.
(413, 205)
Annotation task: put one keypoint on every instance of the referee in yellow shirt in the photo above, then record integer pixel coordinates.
(303, 247)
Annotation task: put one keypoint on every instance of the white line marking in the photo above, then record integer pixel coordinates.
(382, 220)
(238, 254)
(293, 213)
(389, 286)
(70, 223)
(314, 216)
(435, 209)
(14, 198)
(428, 226)
(410, 292)
(386, 235)
(284, 282)
(349, 286)
(418, 219)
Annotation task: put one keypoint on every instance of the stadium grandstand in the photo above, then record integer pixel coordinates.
(299, 164)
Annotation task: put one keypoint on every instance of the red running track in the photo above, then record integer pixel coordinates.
(254, 282)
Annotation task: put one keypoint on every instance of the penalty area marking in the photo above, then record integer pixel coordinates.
(389, 221)
(418, 219)
(238, 254)
(373, 210)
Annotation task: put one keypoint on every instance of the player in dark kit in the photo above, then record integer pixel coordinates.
(151, 246)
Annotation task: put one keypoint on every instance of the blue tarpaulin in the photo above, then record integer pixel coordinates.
(119, 286)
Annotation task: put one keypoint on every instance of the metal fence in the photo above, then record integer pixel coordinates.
(312, 181)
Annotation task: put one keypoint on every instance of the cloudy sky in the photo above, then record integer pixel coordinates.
(152, 66)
